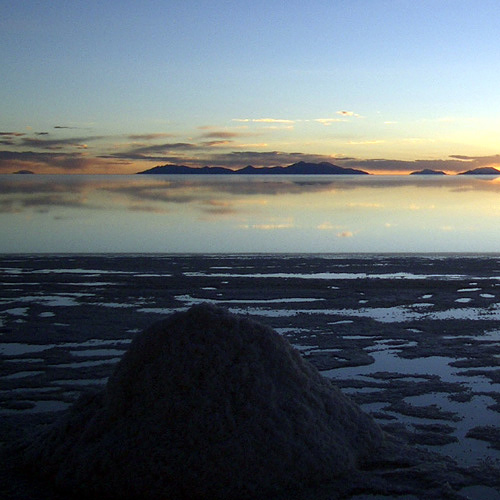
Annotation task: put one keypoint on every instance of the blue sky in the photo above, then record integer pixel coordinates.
(117, 87)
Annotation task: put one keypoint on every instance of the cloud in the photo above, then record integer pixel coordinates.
(455, 163)
(42, 196)
(364, 205)
(154, 152)
(273, 120)
(182, 153)
(54, 162)
(254, 145)
(9, 138)
(263, 120)
(478, 161)
(212, 144)
(168, 146)
(237, 159)
(268, 227)
(49, 201)
(34, 186)
(148, 209)
(149, 137)
(140, 191)
(367, 143)
(328, 121)
(345, 234)
(327, 226)
(218, 207)
(57, 144)
(221, 134)
(9, 207)
(347, 113)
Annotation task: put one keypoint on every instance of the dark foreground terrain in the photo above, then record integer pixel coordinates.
(413, 339)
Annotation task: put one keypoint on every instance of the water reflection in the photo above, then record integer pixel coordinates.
(249, 214)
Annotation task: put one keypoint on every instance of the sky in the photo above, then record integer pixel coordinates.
(117, 87)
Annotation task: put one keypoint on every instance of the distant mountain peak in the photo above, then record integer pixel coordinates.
(428, 171)
(482, 171)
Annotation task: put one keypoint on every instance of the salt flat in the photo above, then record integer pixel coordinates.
(413, 339)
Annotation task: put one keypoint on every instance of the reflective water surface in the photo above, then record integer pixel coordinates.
(76, 213)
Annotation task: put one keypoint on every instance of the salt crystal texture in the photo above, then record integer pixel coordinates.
(206, 404)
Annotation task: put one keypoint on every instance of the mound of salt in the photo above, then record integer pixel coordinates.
(205, 404)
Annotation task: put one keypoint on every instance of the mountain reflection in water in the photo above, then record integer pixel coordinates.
(73, 213)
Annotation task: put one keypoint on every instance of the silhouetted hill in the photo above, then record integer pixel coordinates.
(428, 171)
(482, 171)
(207, 405)
(300, 168)
(184, 170)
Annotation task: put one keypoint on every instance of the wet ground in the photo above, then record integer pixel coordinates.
(415, 340)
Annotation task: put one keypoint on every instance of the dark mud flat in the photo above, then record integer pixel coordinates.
(415, 340)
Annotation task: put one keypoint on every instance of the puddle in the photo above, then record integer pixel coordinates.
(195, 300)
(86, 364)
(151, 275)
(63, 300)
(42, 406)
(473, 413)
(24, 360)
(160, 310)
(387, 361)
(24, 374)
(19, 349)
(284, 331)
(114, 305)
(92, 272)
(92, 283)
(17, 311)
(331, 276)
(480, 493)
(98, 352)
(86, 381)
(384, 497)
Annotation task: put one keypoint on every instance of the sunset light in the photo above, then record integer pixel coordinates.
(381, 86)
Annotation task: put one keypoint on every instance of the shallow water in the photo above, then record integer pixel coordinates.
(408, 322)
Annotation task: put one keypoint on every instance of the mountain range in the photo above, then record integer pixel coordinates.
(300, 168)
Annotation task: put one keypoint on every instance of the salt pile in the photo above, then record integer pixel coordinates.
(205, 404)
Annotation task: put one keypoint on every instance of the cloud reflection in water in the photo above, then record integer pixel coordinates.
(249, 214)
